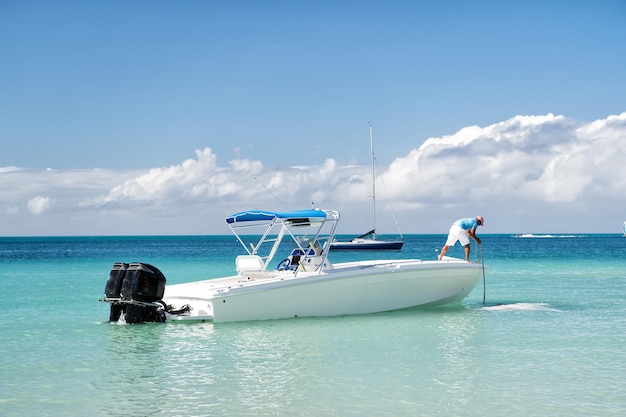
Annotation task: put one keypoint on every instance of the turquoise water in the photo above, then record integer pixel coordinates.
(549, 341)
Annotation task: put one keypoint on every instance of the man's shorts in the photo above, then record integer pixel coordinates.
(457, 233)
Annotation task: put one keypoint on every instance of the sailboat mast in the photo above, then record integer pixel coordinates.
(373, 182)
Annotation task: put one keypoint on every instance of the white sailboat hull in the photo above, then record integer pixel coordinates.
(348, 288)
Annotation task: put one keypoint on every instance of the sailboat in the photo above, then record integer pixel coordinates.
(369, 241)
(624, 229)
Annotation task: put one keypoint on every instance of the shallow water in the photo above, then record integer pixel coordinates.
(548, 341)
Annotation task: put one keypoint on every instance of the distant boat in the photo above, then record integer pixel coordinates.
(368, 241)
(525, 235)
(624, 227)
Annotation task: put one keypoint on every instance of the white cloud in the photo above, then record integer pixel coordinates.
(4, 170)
(529, 159)
(526, 174)
(192, 177)
(38, 205)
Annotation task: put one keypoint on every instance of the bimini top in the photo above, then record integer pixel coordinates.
(261, 215)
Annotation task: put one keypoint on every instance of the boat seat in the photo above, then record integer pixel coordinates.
(246, 264)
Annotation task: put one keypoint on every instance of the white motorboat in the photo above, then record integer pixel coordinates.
(304, 283)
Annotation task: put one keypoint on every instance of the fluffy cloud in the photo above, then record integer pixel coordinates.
(566, 171)
(38, 205)
(526, 159)
(191, 178)
(202, 180)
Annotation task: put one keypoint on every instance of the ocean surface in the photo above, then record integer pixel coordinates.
(550, 339)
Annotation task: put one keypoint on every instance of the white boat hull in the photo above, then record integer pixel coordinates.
(348, 288)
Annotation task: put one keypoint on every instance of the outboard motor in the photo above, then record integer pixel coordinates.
(116, 276)
(143, 282)
(136, 290)
(114, 287)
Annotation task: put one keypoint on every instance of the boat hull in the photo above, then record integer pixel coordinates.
(350, 288)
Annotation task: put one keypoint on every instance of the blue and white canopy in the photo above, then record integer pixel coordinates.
(262, 215)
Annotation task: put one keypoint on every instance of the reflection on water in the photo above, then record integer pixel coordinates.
(201, 369)
(131, 381)
(454, 374)
(285, 367)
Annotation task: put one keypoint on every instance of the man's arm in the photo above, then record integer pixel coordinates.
(472, 234)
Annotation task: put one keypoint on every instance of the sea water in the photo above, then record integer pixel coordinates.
(544, 336)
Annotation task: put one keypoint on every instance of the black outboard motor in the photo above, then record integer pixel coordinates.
(114, 287)
(116, 276)
(143, 282)
(136, 290)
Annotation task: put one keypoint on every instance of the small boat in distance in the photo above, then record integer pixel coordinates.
(369, 241)
(624, 228)
(532, 235)
(284, 271)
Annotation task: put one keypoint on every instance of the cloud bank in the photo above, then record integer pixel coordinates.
(542, 173)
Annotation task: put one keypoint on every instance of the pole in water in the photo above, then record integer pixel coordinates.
(482, 261)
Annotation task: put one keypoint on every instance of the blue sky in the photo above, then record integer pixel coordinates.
(94, 96)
